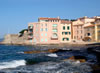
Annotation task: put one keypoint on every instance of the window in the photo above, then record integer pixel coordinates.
(88, 29)
(54, 30)
(63, 39)
(46, 29)
(36, 29)
(54, 35)
(81, 31)
(41, 29)
(45, 40)
(81, 37)
(45, 24)
(54, 25)
(63, 33)
(88, 34)
(63, 27)
(74, 37)
(67, 39)
(41, 34)
(68, 27)
(66, 33)
(69, 33)
(41, 40)
(45, 34)
(37, 25)
(77, 32)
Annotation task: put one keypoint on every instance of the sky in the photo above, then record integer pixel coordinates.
(16, 14)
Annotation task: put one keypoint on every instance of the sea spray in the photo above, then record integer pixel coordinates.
(52, 55)
(12, 64)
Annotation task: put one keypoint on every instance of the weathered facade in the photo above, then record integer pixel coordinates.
(50, 31)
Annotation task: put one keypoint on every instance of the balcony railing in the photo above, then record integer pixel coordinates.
(54, 38)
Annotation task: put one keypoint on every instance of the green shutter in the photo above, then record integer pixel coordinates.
(63, 27)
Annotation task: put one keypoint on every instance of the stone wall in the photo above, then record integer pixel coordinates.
(16, 39)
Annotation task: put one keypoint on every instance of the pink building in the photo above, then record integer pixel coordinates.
(46, 31)
(78, 27)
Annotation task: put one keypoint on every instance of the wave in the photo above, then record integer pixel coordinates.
(20, 52)
(12, 64)
(52, 55)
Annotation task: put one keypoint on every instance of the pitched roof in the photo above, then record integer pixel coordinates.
(65, 22)
(78, 24)
(89, 26)
(44, 18)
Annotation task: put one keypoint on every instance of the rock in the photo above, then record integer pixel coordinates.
(62, 50)
(30, 52)
(46, 51)
(78, 58)
(96, 68)
(96, 51)
(52, 50)
(40, 59)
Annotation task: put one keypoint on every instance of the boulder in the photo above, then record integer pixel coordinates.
(62, 50)
(30, 52)
(96, 68)
(78, 58)
(46, 51)
(96, 51)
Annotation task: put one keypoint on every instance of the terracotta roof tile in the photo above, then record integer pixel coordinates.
(43, 18)
(64, 22)
(78, 25)
(89, 26)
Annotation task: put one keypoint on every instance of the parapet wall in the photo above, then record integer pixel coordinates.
(15, 39)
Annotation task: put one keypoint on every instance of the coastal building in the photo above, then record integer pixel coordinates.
(97, 30)
(49, 31)
(92, 31)
(79, 31)
(65, 31)
(89, 34)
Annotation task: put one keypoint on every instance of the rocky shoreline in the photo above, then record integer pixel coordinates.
(65, 56)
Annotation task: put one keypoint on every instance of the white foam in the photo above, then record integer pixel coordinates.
(12, 64)
(52, 55)
(20, 52)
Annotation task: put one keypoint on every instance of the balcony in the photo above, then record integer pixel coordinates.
(54, 38)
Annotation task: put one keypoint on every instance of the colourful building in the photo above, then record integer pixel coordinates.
(78, 27)
(65, 31)
(49, 31)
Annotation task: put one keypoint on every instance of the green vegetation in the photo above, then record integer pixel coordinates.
(22, 32)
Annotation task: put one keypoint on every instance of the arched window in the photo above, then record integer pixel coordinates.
(54, 35)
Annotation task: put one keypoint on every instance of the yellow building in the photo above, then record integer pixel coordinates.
(65, 31)
(97, 32)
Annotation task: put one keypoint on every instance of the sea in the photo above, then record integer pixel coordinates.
(14, 60)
